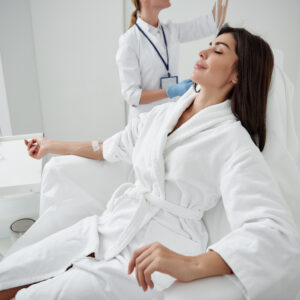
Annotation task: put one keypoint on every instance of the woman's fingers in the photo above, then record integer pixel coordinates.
(148, 272)
(144, 280)
(30, 143)
(142, 259)
(35, 148)
(34, 151)
(140, 265)
(136, 254)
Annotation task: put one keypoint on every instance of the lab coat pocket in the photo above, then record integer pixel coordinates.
(173, 241)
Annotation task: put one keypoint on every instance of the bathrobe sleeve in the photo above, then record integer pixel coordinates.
(263, 247)
(120, 146)
(196, 29)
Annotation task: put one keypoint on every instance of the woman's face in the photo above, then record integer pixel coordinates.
(216, 67)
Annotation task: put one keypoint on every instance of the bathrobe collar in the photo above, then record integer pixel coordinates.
(207, 118)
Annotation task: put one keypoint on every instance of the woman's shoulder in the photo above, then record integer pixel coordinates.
(237, 140)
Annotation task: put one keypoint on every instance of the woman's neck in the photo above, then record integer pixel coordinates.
(207, 98)
(150, 16)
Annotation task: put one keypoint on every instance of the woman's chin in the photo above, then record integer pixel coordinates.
(195, 79)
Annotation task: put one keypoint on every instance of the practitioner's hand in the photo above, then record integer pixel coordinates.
(179, 89)
(156, 257)
(222, 11)
(36, 147)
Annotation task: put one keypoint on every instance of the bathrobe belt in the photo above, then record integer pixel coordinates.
(177, 210)
(144, 213)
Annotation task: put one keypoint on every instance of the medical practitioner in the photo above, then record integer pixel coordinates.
(148, 54)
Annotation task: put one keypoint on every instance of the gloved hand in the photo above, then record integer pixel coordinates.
(179, 89)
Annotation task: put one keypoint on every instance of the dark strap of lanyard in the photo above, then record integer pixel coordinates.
(164, 62)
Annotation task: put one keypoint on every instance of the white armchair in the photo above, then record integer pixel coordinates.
(92, 183)
(95, 181)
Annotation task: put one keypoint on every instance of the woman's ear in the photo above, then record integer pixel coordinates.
(234, 78)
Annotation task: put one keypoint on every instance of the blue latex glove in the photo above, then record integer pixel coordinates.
(179, 89)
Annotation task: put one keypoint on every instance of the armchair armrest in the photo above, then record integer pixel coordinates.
(66, 177)
(72, 188)
(225, 287)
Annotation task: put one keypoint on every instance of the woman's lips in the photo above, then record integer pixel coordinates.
(199, 66)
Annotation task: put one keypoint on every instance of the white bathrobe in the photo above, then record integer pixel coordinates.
(209, 158)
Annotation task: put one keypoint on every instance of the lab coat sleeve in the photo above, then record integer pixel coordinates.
(196, 29)
(129, 70)
(120, 146)
(263, 247)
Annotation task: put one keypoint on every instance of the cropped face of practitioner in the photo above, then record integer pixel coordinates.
(154, 4)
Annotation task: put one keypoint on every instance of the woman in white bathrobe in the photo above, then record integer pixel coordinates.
(187, 156)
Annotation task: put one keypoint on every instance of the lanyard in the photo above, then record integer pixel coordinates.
(164, 62)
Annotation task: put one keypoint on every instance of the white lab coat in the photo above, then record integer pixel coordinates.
(209, 157)
(140, 67)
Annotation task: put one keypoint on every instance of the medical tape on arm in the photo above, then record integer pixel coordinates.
(85, 148)
(95, 146)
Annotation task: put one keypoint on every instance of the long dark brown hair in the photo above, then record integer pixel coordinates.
(249, 96)
(137, 5)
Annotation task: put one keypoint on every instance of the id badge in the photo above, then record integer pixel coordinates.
(165, 82)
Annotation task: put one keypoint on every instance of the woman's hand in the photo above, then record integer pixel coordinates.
(222, 11)
(156, 257)
(36, 147)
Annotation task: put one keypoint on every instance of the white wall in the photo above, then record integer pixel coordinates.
(5, 124)
(75, 45)
(297, 102)
(18, 58)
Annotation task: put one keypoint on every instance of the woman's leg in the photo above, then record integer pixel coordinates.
(50, 256)
(9, 293)
(89, 279)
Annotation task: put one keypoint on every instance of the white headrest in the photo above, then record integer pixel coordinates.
(282, 144)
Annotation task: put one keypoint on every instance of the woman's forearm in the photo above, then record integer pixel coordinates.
(156, 257)
(209, 264)
(83, 149)
(149, 96)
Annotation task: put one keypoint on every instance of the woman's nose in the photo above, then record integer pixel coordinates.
(203, 54)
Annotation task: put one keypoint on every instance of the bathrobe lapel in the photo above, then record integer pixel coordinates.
(206, 119)
(160, 136)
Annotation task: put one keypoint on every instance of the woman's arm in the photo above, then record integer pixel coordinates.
(156, 257)
(39, 147)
